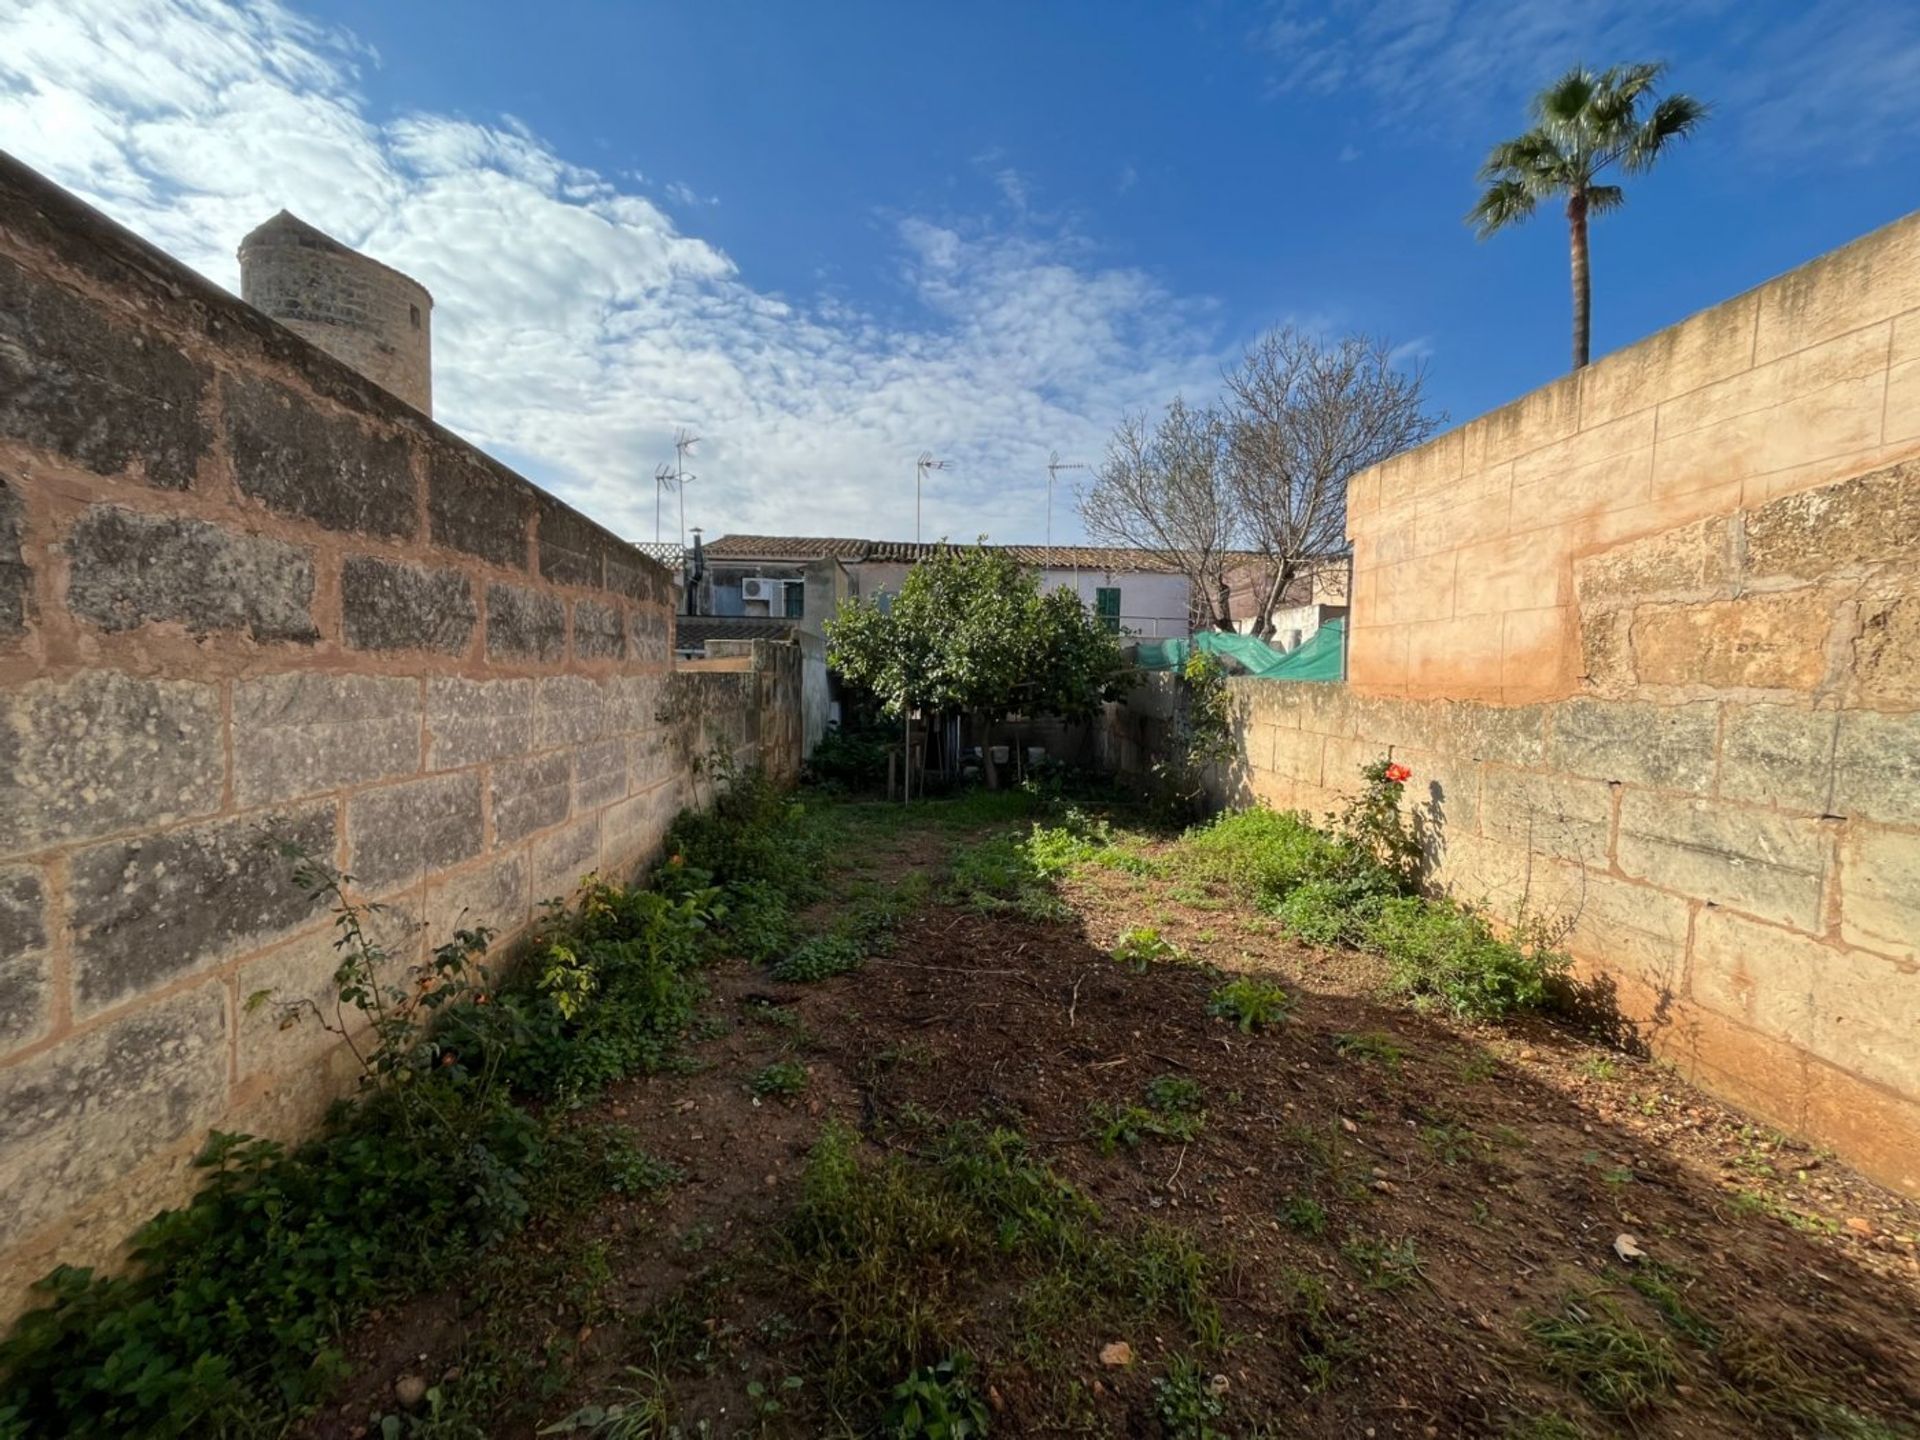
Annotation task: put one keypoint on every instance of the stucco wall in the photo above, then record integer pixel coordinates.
(1465, 549)
(246, 593)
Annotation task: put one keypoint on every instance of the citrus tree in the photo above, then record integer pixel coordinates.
(971, 633)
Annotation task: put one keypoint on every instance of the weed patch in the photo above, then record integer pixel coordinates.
(1251, 1004)
(1175, 1109)
(1592, 1345)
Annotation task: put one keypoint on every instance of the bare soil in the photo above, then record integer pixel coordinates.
(1471, 1180)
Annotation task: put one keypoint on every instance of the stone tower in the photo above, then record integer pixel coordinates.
(356, 309)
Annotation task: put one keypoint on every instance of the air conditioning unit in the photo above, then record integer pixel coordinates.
(774, 592)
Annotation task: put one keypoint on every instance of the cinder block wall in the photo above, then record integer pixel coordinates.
(1465, 549)
(246, 593)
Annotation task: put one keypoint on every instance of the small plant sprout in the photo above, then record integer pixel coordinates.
(1251, 1004)
(1143, 947)
(782, 1079)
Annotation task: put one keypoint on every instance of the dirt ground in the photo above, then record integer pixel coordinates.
(1455, 1189)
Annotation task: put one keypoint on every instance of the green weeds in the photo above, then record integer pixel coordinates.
(783, 1079)
(1143, 947)
(1592, 1345)
(1251, 1004)
(1175, 1110)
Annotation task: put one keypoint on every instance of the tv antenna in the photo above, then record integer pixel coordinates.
(662, 482)
(1054, 466)
(683, 441)
(921, 466)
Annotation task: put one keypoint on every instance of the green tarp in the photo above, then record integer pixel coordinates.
(1319, 658)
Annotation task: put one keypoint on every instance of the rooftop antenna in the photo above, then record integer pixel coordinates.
(662, 481)
(683, 441)
(1054, 466)
(921, 466)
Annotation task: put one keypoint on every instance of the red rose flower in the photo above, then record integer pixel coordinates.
(1399, 774)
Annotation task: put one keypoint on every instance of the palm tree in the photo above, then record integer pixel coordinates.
(1583, 123)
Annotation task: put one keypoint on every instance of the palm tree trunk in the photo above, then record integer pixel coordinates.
(1582, 277)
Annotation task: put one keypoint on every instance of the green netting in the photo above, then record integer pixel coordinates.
(1319, 658)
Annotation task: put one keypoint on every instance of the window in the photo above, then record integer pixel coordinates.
(796, 599)
(416, 315)
(1106, 605)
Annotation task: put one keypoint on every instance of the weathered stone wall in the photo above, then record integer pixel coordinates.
(1466, 549)
(1730, 814)
(245, 593)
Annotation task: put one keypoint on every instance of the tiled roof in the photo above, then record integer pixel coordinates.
(804, 547)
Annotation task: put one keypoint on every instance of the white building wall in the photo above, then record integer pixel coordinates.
(1152, 606)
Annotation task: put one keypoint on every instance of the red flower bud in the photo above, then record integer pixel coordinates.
(1399, 774)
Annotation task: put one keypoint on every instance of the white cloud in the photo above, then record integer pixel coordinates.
(1830, 81)
(575, 324)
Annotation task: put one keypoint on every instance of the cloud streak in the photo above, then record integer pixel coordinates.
(576, 323)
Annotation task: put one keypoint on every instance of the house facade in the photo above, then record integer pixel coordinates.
(801, 580)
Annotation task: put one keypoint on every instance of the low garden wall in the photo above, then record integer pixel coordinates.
(246, 595)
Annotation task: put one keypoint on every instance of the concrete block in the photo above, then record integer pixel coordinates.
(1537, 418)
(1837, 420)
(1694, 562)
(1864, 1018)
(1880, 892)
(305, 732)
(1876, 276)
(1535, 649)
(525, 624)
(299, 460)
(571, 710)
(110, 398)
(1757, 861)
(104, 752)
(1458, 658)
(1297, 756)
(1779, 755)
(1606, 653)
(387, 605)
(530, 794)
(654, 756)
(632, 829)
(494, 893)
(640, 577)
(284, 995)
(1514, 735)
(1514, 572)
(1759, 975)
(1886, 655)
(649, 635)
(1878, 1133)
(563, 858)
(599, 774)
(1629, 930)
(77, 1117)
(1772, 641)
(1707, 347)
(128, 569)
(470, 722)
(1551, 814)
(16, 576)
(572, 548)
(1667, 746)
(477, 506)
(25, 982)
(599, 631)
(1876, 767)
(155, 907)
(400, 832)
(1815, 534)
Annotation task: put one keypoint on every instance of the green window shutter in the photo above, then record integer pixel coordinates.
(1106, 605)
(796, 601)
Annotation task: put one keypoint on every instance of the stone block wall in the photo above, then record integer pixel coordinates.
(247, 594)
(1466, 549)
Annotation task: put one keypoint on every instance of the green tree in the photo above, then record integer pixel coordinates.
(971, 632)
(1584, 123)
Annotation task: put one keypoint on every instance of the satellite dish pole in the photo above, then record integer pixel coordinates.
(683, 441)
(1054, 466)
(921, 466)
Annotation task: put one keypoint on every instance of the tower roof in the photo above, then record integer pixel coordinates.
(287, 228)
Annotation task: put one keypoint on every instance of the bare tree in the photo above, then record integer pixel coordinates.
(1163, 488)
(1303, 417)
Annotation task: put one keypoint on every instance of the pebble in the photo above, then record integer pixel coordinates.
(410, 1390)
(1116, 1354)
(1859, 1226)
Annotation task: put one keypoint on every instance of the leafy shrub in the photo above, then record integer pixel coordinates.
(1251, 1004)
(856, 759)
(1175, 1110)
(938, 1402)
(820, 958)
(1435, 948)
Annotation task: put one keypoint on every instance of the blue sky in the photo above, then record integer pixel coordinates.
(830, 236)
